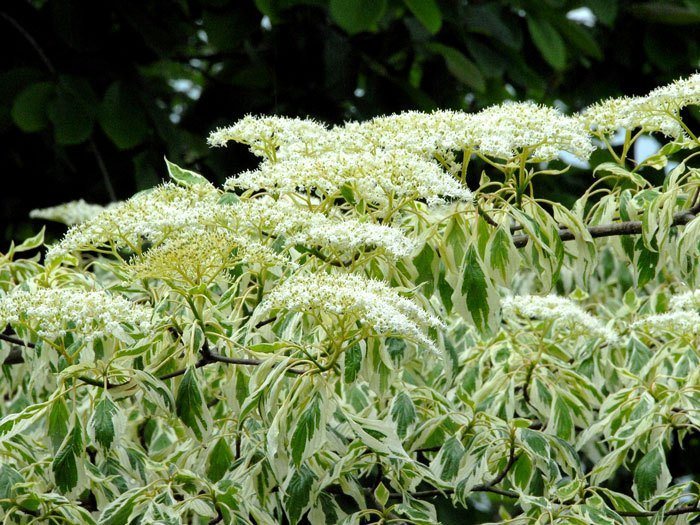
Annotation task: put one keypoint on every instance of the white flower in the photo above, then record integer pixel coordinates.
(679, 323)
(86, 314)
(678, 94)
(201, 256)
(70, 213)
(371, 302)
(505, 130)
(270, 137)
(299, 225)
(630, 113)
(151, 215)
(656, 112)
(376, 177)
(423, 134)
(686, 301)
(558, 309)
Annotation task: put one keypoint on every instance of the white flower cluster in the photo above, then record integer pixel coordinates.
(686, 301)
(394, 156)
(70, 213)
(201, 256)
(629, 113)
(272, 137)
(678, 94)
(87, 314)
(416, 132)
(559, 309)
(505, 130)
(656, 112)
(371, 302)
(680, 322)
(301, 226)
(375, 177)
(683, 317)
(151, 215)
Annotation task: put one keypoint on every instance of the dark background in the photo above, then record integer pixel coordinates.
(94, 94)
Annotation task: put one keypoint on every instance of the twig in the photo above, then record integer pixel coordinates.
(482, 487)
(103, 171)
(208, 357)
(649, 513)
(614, 229)
(15, 356)
(32, 42)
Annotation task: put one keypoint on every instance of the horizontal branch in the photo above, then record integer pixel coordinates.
(15, 357)
(612, 229)
(678, 511)
(209, 357)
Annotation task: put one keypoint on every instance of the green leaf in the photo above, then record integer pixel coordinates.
(121, 116)
(356, 16)
(184, 177)
(102, 421)
(427, 12)
(665, 13)
(353, 362)
(522, 472)
(535, 441)
(72, 111)
(647, 262)
(58, 423)
(619, 171)
(460, 66)
(30, 243)
(119, 510)
(423, 262)
(307, 430)
(220, 460)
(561, 419)
(605, 10)
(548, 41)
(9, 477)
(190, 405)
(476, 291)
(381, 493)
(450, 456)
(651, 476)
(582, 38)
(502, 255)
(65, 463)
(29, 108)
(299, 493)
(403, 413)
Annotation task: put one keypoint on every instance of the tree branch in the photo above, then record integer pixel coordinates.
(613, 229)
(482, 487)
(649, 513)
(208, 357)
(15, 356)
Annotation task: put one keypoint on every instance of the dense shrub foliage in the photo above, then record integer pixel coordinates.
(348, 333)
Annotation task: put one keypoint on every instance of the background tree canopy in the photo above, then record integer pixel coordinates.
(95, 93)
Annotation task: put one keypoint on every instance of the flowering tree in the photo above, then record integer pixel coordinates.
(349, 333)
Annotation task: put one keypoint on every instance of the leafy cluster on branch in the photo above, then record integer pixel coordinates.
(350, 334)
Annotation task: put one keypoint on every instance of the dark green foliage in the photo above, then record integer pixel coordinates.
(94, 87)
